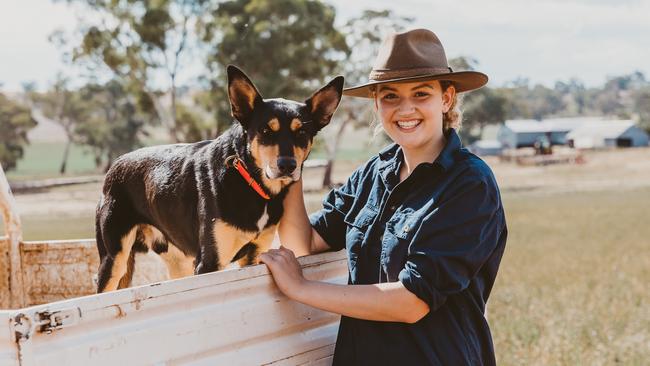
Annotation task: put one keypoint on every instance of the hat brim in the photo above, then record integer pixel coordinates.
(463, 81)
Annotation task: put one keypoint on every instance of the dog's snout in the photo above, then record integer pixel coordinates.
(286, 165)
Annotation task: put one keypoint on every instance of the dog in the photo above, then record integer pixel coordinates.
(204, 205)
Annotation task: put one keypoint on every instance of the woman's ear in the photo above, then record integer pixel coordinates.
(448, 97)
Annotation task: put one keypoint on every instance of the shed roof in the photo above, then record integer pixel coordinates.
(549, 125)
(602, 129)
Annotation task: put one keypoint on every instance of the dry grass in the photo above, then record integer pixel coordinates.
(573, 284)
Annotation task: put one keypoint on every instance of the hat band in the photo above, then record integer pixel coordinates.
(379, 75)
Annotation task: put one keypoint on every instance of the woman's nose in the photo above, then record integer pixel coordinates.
(405, 109)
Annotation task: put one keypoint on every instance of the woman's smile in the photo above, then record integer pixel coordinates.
(408, 125)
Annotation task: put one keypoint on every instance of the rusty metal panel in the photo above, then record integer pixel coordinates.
(57, 270)
(5, 302)
(232, 317)
(13, 230)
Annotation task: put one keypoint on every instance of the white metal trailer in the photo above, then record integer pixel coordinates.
(232, 317)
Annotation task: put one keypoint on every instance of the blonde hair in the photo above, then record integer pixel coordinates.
(450, 119)
(453, 118)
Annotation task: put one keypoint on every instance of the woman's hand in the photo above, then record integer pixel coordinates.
(389, 301)
(285, 269)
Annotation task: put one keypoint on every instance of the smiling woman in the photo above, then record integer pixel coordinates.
(412, 114)
(422, 223)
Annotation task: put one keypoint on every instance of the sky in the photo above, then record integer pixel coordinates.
(544, 41)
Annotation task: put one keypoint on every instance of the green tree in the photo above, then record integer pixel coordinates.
(15, 121)
(144, 43)
(574, 96)
(642, 107)
(64, 107)
(116, 122)
(616, 98)
(288, 48)
(480, 107)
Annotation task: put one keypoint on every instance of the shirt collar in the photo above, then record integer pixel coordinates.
(393, 152)
(448, 153)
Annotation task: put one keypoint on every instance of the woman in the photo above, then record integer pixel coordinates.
(422, 223)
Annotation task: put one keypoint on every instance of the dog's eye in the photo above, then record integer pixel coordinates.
(266, 131)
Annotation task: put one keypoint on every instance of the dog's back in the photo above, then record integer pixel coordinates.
(216, 201)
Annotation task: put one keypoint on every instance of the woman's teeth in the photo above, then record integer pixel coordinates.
(408, 124)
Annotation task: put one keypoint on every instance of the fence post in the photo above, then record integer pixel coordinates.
(14, 232)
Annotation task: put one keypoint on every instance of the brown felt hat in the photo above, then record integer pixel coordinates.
(414, 56)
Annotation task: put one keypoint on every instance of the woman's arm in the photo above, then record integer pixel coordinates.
(294, 230)
(380, 302)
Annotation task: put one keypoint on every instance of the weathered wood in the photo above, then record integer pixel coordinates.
(4, 273)
(58, 270)
(231, 317)
(15, 236)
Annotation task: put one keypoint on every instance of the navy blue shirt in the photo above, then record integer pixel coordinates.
(441, 232)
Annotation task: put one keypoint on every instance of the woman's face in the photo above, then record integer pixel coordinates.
(411, 113)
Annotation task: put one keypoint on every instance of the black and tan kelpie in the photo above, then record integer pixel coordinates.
(207, 204)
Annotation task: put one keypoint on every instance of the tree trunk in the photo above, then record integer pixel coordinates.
(66, 152)
(109, 162)
(165, 119)
(331, 153)
(327, 175)
(174, 125)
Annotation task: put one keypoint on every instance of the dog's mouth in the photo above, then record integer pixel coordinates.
(273, 174)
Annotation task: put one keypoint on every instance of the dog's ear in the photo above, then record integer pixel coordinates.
(242, 94)
(324, 102)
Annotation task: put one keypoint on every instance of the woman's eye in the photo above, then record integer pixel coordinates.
(421, 94)
(390, 96)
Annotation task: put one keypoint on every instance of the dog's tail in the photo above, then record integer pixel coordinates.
(99, 239)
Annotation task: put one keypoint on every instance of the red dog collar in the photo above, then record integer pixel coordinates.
(236, 162)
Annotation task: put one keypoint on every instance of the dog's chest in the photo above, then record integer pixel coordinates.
(264, 219)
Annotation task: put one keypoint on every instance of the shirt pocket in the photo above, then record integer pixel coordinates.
(395, 244)
(358, 224)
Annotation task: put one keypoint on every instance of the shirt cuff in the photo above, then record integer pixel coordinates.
(412, 279)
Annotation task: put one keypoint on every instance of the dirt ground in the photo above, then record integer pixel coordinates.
(620, 169)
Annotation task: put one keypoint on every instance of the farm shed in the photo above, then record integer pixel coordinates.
(608, 134)
(486, 147)
(525, 132)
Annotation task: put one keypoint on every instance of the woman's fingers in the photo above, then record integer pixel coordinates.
(282, 257)
(267, 257)
(286, 253)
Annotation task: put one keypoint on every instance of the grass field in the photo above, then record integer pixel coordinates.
(573, 285)
(43, 160)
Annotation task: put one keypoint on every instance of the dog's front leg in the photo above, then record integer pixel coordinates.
(261, 243)
(208, 258)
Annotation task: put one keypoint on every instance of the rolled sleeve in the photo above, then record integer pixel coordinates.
(328, 222)
(453, 242)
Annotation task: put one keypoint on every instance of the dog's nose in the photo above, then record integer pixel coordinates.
(286, 165)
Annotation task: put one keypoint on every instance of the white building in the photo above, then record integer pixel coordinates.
(580, 132)
(486, 148)
(607, 134)
(525, 132)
